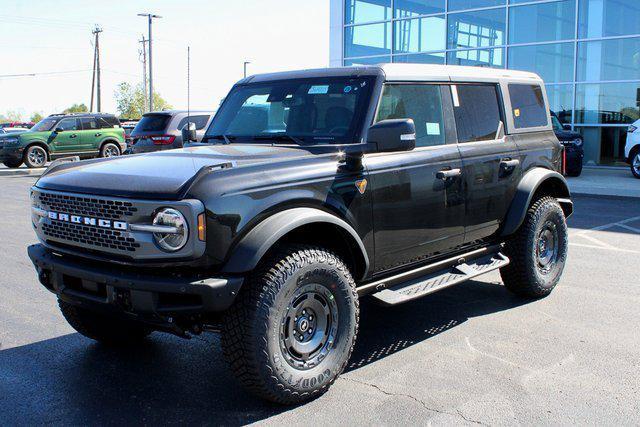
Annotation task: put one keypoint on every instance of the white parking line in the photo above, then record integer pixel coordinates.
(630, 228)
(629, 251)
(598, 244)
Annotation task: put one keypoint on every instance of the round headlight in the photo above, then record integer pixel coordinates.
(578, 142)
(177, 230)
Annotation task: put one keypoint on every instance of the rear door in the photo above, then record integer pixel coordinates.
(416, 213)
(490, 164)
(67, 138)
(90, 134)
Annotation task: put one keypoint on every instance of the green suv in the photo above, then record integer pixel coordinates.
(62, 135)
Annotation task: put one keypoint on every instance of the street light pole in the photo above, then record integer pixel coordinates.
(150, 17)
(245, 68)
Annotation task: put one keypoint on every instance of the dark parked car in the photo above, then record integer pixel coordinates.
(162, 130)
(317, 188)
(573, 146)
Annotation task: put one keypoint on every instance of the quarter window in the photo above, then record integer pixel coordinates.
(527, 106)
(422, 103)
(477, 112)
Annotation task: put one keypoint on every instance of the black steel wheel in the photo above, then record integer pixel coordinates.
(292, 328)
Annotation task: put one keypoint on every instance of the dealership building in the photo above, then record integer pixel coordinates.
(587, 51)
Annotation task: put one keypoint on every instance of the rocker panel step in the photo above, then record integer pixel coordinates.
(441, 279)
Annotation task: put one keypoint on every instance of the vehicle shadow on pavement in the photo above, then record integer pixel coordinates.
(72, 380)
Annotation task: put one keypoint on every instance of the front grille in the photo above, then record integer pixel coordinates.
(90, 236)
(87, 206)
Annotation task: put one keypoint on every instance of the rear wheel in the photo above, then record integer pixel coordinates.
(293, 326)
(105, 329)
(109, 150)
(12, 163)
(538, 250)
(35, 156)
(635, 163)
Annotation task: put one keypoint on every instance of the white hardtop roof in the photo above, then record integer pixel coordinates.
(430, 72)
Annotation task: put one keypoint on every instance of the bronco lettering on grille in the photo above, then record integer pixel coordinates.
(103, 223)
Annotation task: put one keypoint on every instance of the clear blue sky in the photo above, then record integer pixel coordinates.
(43, 36)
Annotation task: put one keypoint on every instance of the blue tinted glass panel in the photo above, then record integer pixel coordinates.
(367, 40)
(604, 145)
(409, 8)
(606, 103)
(367, 61)
(481, 57)
(609, 60)
(542, 22)
(552, 62)
(361, 11)
(421, 58)
(420, 35)
(561, 101)
(482, 28)
(603, 18)
(472, 4)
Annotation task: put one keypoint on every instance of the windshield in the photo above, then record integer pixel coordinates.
(555, 122)
(44, 125)
(317, 110)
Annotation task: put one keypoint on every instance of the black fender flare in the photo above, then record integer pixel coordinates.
(527, 188)
(254, 245)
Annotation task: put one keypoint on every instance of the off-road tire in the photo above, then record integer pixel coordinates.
(105, 329)
(12, 163)
(252, 335)
(27, 158)
(575, 172)
(524, 275)
(110, 147)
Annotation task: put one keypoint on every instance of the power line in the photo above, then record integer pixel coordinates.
(45, 73)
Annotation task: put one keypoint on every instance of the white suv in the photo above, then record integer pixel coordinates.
(632, 148)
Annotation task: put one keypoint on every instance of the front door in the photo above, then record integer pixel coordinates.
(66, 137)
(490, 162)
(418, 211)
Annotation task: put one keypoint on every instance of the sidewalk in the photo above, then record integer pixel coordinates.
(605, 182)
(21, 171)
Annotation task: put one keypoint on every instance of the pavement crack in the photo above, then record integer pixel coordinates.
(415, 399)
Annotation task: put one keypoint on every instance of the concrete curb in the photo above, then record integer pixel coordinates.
(22, 172)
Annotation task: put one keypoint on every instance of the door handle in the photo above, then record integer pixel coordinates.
(448, 173)
(509, 163)
(98, 134)
(73, 135)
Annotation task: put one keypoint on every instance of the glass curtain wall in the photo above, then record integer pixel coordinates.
(587, 52)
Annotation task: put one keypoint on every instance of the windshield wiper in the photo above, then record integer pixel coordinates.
(227, 138)
(280, 137)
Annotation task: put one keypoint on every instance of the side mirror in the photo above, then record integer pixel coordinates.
(393, 135)
(58, 130)
(566, 127)
(189, 133)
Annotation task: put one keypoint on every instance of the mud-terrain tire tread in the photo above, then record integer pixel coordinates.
(519, 276)
(254, 304)
(105, 329)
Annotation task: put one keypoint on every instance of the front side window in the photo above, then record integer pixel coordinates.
(67, 124)
(314, 110)
(477, 112)
(527, 106)
(422, 103)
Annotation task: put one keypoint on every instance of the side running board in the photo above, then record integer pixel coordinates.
(433, 281)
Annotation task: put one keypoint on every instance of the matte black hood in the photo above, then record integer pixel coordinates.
(159, 175)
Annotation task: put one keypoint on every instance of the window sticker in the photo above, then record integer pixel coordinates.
(347, 89)
(318, 90)
(433, 128)
(516, 112)
(454, 95)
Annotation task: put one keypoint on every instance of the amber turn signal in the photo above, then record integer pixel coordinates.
(202, 227)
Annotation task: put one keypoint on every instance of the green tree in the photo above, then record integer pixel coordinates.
(36, 117)
(131, 101)
(76, 108)
(14, 116)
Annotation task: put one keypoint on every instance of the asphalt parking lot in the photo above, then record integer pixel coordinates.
(472, 354)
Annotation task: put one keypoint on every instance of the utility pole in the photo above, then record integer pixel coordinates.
(188, 82)
(93, 77)
(97, 32)
(144, 69)
(245, 68)
(150, 18)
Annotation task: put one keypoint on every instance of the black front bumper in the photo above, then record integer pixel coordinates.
(11, 154)
(111, 288)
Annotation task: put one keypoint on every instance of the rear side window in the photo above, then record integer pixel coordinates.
(153, 123)
(200, 122)
(422, 103)
(89, 123)
(477, 112)
(527, 105)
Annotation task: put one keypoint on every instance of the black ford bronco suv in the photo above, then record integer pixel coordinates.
(310, 190)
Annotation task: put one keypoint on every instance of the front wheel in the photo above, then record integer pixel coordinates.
(538, 250)
(35, 157)
(109, 150)
(635, 164)
(293, 326)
